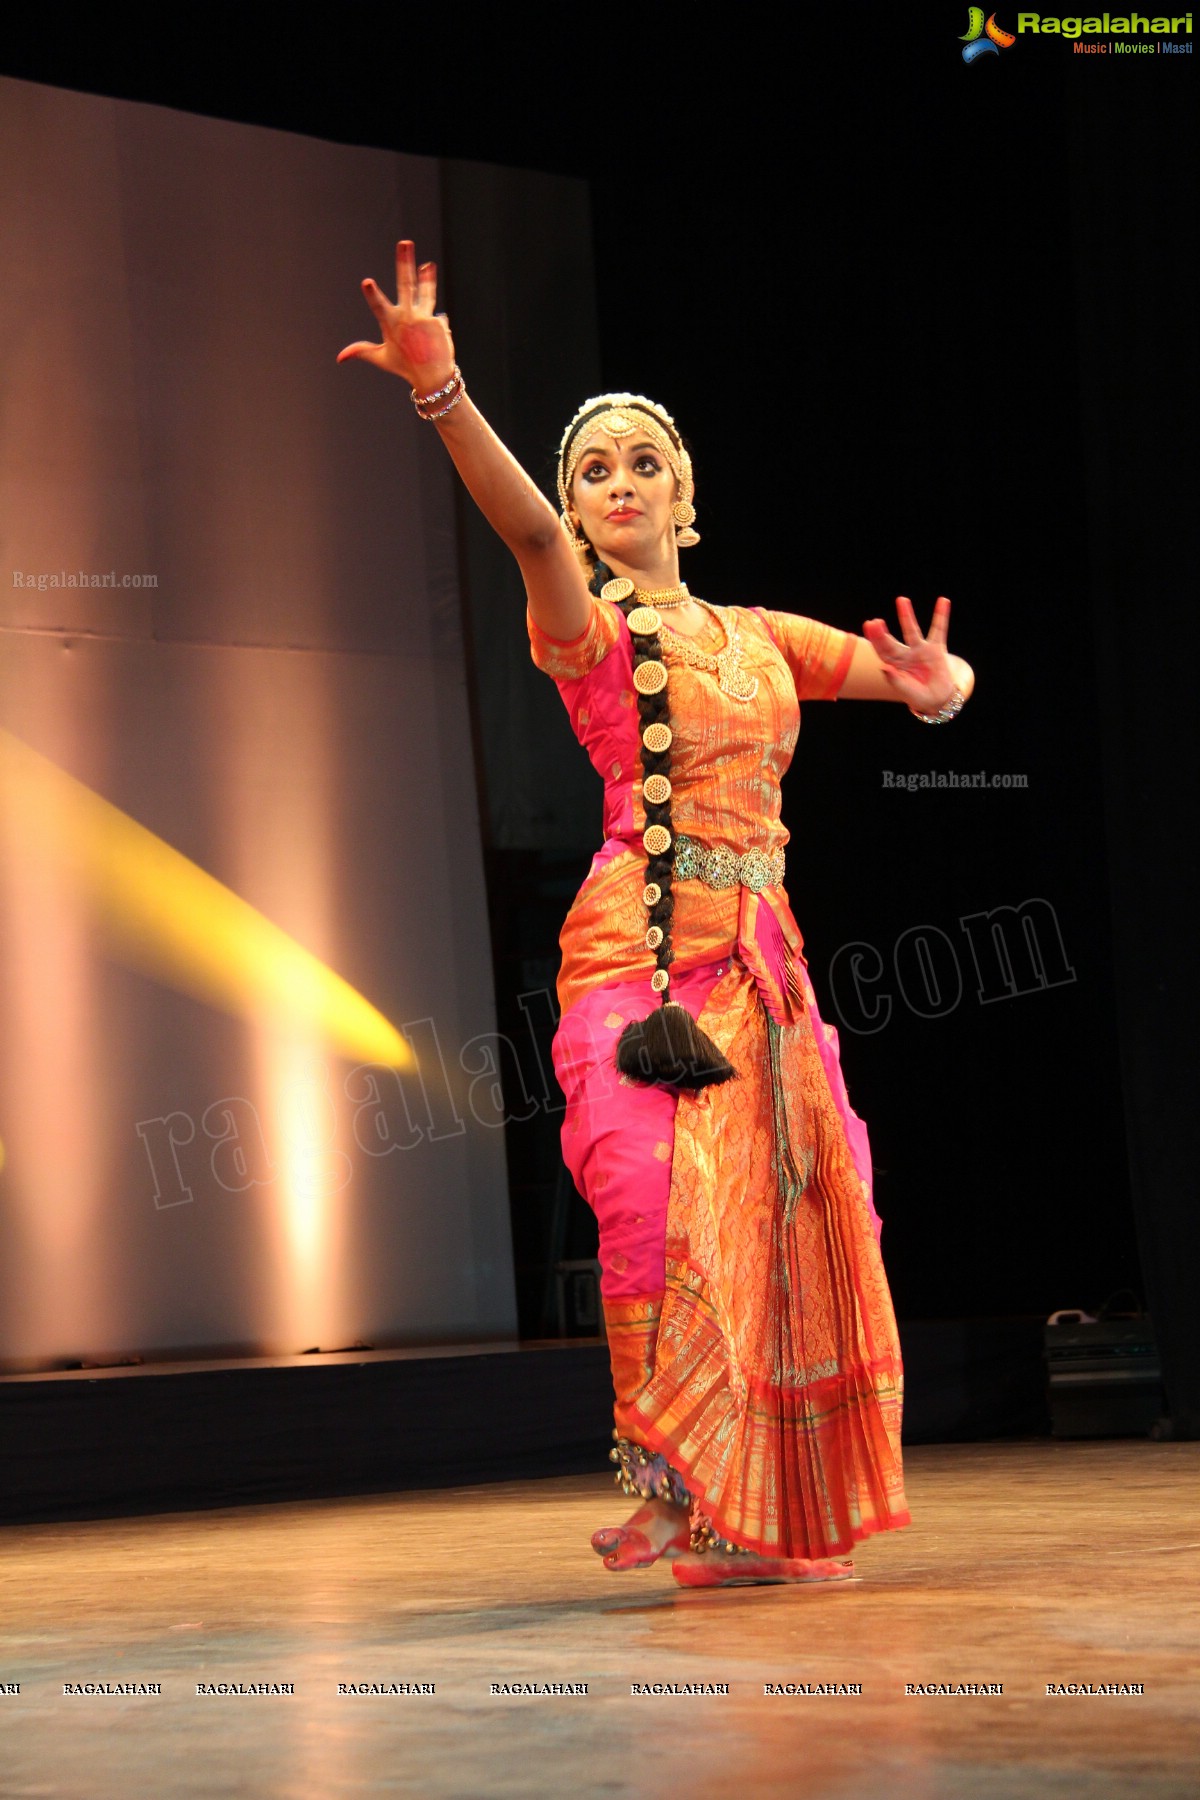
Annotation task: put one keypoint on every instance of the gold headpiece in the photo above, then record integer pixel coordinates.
(618, 416)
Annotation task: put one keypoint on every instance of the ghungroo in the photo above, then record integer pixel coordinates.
(646, 1473)
(705, 1539)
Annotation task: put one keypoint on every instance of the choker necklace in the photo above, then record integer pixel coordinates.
(621, 588)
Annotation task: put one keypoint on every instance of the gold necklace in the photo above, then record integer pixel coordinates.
(726, 665)
(621, 588)
(664, 598)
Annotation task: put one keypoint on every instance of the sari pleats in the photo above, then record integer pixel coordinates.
(771, 1378)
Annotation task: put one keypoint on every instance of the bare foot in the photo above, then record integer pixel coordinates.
(657, 1528)
(716, 1570)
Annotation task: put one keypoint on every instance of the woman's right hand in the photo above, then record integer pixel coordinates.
(416, 342)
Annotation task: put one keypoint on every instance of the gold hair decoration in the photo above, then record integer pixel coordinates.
(650, 677)
(619, 416)
(667, 1047)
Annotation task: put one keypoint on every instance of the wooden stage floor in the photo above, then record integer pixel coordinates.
(1027, 1565)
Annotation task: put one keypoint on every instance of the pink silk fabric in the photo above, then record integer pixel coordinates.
(618, 1136)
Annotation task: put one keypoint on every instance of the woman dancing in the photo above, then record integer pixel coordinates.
(754, 1350)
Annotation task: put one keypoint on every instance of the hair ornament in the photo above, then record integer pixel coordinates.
(667, 1048)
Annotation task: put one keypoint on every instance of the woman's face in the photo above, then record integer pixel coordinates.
(623, 490)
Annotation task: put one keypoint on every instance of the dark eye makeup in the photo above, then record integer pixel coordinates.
(596, 471)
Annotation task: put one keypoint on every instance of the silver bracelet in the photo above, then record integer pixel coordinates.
(944, 714)
(438, 393)
(424, 403)
(443, 410)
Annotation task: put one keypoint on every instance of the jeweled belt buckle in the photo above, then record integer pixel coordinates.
(757, 870)
(720, 869)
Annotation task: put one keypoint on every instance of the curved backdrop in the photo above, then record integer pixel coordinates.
(248, 1066)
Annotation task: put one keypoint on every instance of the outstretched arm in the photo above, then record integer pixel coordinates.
(416, 345)
(918, 671)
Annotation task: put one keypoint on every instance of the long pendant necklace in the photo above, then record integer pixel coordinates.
(726, 665)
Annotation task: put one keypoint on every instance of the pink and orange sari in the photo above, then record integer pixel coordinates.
(749, 1323)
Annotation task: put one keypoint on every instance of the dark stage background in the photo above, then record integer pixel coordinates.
(924, 326)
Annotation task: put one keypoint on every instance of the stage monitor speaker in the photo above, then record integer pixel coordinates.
(1104, 1378)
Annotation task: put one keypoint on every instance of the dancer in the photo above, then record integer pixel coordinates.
(755, 1360)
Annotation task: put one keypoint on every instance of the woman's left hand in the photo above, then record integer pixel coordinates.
(918, 670)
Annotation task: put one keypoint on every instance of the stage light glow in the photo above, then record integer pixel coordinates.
(311, 1173)
(164, 915)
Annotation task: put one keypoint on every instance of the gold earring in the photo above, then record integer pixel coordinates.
(684, 514)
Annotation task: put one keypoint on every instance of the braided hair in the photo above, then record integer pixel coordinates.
(668, 1048)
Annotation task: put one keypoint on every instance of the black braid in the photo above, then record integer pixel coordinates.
(653, 709)
(669, 1048)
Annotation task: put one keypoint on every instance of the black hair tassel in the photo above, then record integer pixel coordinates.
(668, 1049)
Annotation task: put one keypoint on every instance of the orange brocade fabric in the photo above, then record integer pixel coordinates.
(727, 759)
(768, 1370)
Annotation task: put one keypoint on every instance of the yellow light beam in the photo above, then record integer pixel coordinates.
(164, 915)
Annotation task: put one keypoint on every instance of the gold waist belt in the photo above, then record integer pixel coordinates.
(757, 869)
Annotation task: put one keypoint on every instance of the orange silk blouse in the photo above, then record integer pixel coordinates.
(727, 759)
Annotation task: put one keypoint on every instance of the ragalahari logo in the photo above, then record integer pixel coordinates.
(983, 38)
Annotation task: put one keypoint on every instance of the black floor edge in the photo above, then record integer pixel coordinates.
(85, 1446)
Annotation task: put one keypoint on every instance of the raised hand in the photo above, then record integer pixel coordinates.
(918, 670)
(415, 341)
